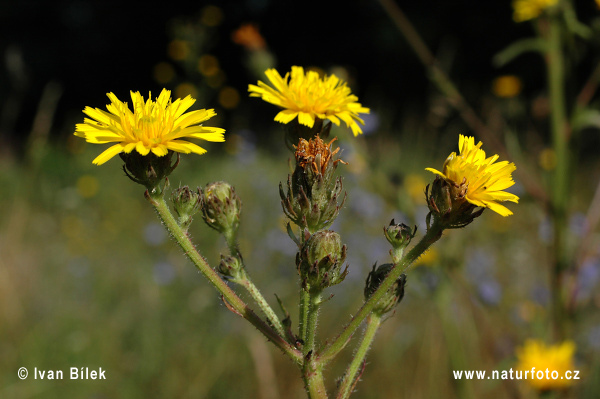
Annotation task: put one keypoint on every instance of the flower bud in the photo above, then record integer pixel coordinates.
(231, 266)
(221, 207)
(394, 294)
(448, 205)
(148, 170)
(186, 203)
(399, 235)
(320, 261)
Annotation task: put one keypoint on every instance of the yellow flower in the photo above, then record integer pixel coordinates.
(506, 86)
(536, 358)
(525, 10)
(479, 179)
(156, 126)
(307, 97)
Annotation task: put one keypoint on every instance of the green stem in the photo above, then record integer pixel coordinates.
(231, 299)
(254, 292)
(560, 193)
(349, 380)
(263, 304)
(304, 308)
(312, 371)
(313, 380)
(433, 234)
(311, 325)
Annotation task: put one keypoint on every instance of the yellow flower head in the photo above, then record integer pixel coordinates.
(479, 178)
(536, 355)
(156, 126)
(307, 97)
(525, 10)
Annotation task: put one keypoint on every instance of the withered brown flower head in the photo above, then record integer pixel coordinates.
(317, 154)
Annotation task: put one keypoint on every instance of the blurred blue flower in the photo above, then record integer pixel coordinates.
(587, 278)
(578, 224)
(366, 204)
(540, 294)
(163, 273)
(545, 231)
(154, 234)
(490, 292)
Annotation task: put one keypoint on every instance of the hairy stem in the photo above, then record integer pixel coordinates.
(263, 304)
(433, 234)
(304, 308)
(350, 378)
(312, 320)
(254, 292)
(312, 371)
(233, 301)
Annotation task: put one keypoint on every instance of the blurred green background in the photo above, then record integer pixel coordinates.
(89, 278)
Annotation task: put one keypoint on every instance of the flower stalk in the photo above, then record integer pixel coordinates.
(433, 234)
(357, 364)
(236, 303)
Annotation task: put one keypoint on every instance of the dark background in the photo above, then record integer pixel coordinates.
(90, 48)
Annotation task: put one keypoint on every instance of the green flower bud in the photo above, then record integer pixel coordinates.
(320, 261)
(399, 235)
(148, 170)
(186, 203)
(448, 205)
(231, 267)
(221, 207)
(394, 294)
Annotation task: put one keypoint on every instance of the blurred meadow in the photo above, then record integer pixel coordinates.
(89, 277)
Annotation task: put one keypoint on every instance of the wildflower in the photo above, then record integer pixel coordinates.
(308, 97)
(153, 126)
(547, 364)
(477, 179)
(525, 10)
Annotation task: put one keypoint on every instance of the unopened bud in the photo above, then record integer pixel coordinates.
(186, 203)
(393, 295)
(448, 205)
(148, 170)
(320, 261)
(231, 267)
(399, 235)
(221, 207)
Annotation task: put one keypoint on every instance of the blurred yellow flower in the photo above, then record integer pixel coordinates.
(536, 357)
(479, 177)
(429, 258)
(547, 159)
(415, 186)
(525, 10)
(156, 126)
(506, 86)
(307, 97)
